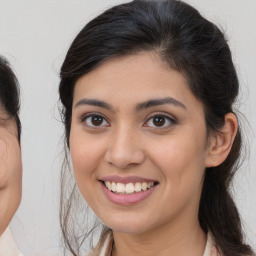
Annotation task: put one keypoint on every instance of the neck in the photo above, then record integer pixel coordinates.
(186, 240)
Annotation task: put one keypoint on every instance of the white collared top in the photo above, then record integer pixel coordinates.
(8, 246)
(210, 249)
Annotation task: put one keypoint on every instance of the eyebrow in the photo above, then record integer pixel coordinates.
(94, 102)
(158, 102)
(139, 107)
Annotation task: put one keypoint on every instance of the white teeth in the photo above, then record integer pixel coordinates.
(150, 185)
(113, 187)
(129, 188)
(144, 186)
(108, 185)
(137, 187)
(120, 188)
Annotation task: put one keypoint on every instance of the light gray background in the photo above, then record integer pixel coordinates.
(34, 36)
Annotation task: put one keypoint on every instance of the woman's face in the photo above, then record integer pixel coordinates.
(138, 144)
(10, 170)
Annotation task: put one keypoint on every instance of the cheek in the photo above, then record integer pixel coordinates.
(181, 160)
(10, 181)
(3, 164)
(178, 152)
(10, 164)
(85, 154)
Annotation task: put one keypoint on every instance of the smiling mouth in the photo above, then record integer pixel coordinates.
(129, 188)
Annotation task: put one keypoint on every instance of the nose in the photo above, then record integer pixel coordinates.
(124, 149)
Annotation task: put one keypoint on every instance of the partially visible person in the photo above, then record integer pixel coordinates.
(10, 157)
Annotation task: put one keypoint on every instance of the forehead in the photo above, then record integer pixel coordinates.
(133, 78)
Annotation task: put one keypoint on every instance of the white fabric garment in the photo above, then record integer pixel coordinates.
(8, 246)
(210, 249)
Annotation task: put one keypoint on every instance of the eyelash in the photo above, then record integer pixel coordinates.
(93, 114)
(170, 119)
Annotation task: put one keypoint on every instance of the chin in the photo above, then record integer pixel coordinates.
(129, 229)
(127, 224)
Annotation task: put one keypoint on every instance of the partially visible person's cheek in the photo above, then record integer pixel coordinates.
(10, 179)
(3, 164)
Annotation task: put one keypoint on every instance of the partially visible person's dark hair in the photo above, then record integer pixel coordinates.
(9, 93)
(190, 44)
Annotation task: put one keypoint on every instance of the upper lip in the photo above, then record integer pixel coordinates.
(126, 180)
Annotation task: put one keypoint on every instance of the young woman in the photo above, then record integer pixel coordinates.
(147, 90)
(10, 157)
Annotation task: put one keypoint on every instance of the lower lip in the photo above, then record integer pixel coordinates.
(127, 199)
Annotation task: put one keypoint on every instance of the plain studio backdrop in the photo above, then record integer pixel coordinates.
(34, 36)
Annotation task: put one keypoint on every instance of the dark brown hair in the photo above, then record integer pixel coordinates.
(198, 49)
(9, 93)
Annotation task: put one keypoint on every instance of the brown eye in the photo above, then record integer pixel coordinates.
(158, 121)
(97, 120)
(94, 121)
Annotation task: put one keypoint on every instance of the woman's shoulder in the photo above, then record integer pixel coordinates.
(8, 245)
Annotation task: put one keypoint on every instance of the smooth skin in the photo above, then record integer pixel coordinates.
(167, 143)
(10, 170)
